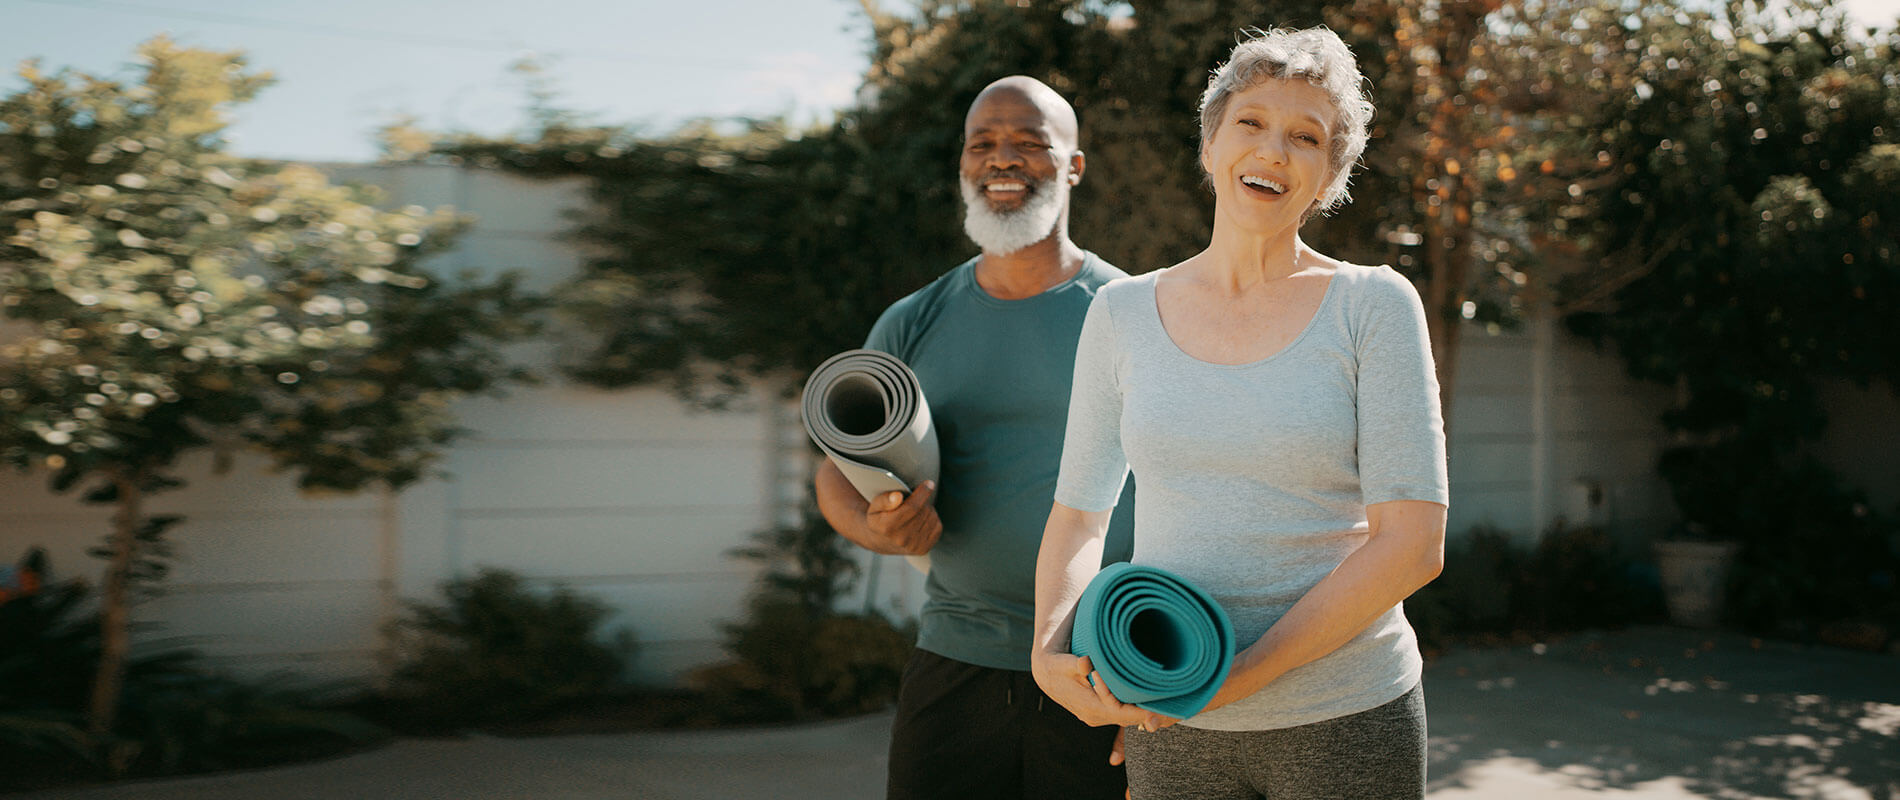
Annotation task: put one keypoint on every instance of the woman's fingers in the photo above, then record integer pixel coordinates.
(1101, 689)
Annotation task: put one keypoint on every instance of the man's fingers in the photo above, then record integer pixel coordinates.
(920, 496)
(1115, 757)
(888, 501)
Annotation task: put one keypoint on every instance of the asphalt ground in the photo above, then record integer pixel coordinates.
(1643, 714)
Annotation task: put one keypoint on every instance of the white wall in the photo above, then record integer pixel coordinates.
(1543, 428)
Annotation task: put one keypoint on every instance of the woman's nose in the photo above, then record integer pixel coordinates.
(1270, 150)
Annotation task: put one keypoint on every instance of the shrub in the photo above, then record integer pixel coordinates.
(796, 656)
(176, 715)
(496, 652)
(1572, 579)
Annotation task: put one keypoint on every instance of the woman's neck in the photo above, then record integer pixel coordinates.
(1239, 260)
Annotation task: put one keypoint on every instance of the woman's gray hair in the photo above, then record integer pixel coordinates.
(1317, 56)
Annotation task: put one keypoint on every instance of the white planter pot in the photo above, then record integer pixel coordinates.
(1694, 577)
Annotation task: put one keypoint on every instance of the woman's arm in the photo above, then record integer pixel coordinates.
(1071, 554)
(1405, 551)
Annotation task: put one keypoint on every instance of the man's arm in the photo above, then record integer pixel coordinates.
(890, 523)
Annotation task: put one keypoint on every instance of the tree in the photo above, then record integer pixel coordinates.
(166, 297)
(739, 250)
(1753, 210)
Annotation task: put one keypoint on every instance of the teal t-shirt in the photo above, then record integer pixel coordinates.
(997, 376)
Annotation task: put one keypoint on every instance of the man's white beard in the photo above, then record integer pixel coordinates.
(1010, 231)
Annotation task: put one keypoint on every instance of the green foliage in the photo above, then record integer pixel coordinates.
(196, 721)
(1492, 586)
(1814, 551)
(178, 715)
(794, 655)
(497, 651)
(168, 295)
(1753, 209)
(719, 241)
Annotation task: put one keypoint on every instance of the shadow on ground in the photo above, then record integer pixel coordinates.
(1660, 712)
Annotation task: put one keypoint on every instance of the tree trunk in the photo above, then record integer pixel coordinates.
(115, 608)
(1445, 184)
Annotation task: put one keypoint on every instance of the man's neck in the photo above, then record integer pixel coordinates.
(1030, 271)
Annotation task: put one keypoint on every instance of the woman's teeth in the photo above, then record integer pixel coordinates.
(1263, 183)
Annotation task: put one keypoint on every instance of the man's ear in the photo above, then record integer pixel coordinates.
(1077, 165)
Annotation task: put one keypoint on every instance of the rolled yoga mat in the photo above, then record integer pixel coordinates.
(1158, 641)
(865, 409)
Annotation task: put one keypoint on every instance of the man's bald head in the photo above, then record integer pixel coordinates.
(1022, 89)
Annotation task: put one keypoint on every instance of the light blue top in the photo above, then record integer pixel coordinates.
(996, 374)
(1255, 477)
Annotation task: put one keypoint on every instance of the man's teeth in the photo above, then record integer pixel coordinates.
(1005, 186)
(1255, 180)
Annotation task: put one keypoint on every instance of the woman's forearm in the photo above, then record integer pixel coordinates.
(1070, 555)
(1405, 551)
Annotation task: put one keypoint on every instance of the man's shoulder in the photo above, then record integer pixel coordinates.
(914, 311)
(940, 289)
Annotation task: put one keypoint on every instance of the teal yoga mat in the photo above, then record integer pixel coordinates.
(1159, 642)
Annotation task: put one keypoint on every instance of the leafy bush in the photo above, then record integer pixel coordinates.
(795, 656)
(1814, 550)
(176, 715)
(1572, 579)
(495, 652)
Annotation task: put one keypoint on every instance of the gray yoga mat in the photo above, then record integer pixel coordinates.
(865, 409)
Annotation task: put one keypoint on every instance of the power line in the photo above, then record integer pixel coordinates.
(372, 34)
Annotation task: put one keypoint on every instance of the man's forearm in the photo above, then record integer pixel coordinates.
(841, 505)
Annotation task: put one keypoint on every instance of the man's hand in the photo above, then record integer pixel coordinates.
(891, 524)
(905, 525)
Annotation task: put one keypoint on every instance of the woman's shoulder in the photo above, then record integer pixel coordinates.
(1119, 293)
(1377, 285)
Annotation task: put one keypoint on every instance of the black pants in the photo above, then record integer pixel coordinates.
(965, 731)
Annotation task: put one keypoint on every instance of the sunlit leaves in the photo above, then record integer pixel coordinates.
(164, 295)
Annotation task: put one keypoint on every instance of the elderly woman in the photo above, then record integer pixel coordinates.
(1279, 409)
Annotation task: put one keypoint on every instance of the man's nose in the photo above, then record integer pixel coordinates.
(1004, 155)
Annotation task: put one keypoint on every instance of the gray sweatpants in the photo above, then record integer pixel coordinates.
(1372, 755)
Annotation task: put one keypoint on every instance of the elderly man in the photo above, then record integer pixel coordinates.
(993, 343)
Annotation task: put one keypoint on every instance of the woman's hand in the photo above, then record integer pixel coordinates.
(1073, 683)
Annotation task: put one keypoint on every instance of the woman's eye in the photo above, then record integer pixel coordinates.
(1248, 122)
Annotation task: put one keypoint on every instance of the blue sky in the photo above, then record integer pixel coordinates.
(345, 67)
